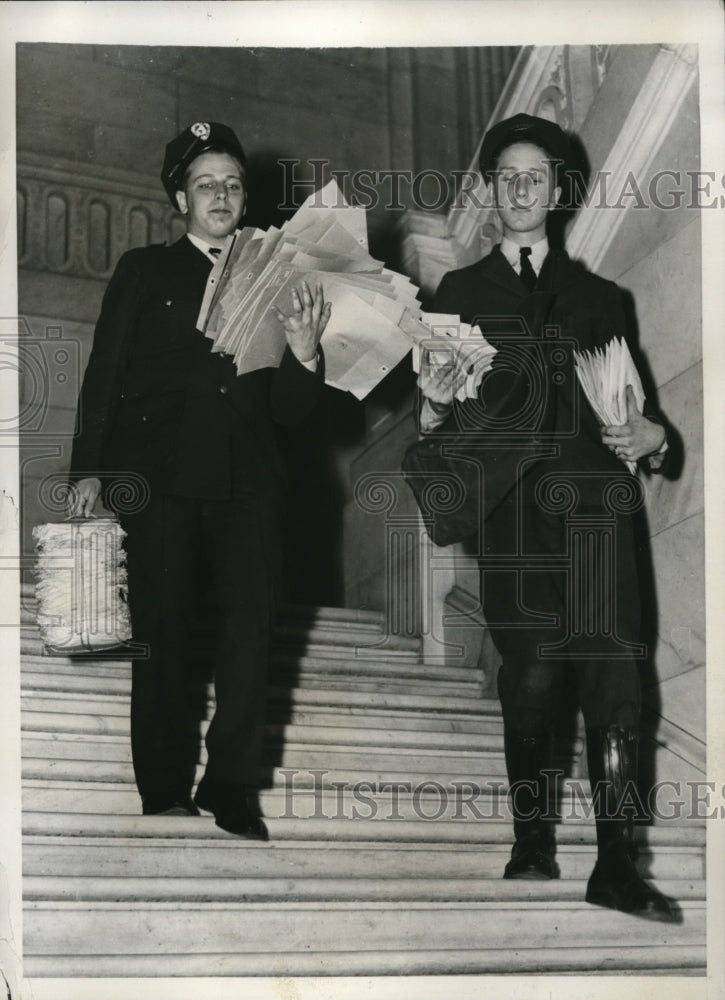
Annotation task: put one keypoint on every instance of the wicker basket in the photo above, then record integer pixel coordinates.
(81, 585)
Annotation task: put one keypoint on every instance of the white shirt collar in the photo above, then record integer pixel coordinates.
(511, 252)
(201, 245)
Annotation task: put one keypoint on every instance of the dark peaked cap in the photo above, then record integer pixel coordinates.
(522, 128)
(192, 142)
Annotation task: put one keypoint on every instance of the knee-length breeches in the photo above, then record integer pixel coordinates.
(561, 597)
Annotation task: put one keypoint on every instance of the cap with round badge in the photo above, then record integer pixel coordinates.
(192, 142)
(522, 128)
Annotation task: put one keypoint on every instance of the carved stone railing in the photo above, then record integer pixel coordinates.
(77, 219)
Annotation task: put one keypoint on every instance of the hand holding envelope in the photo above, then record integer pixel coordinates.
(609, 378)
(455, 356)
(250, 297)
(372, 315)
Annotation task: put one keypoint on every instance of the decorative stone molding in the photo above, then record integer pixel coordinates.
(646, 127)
(77, 218)
(536, 69)
(602, 61)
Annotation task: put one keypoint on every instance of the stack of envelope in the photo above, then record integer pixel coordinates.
(325, 242)
(376, 316)
(443, 339)
(604, 376)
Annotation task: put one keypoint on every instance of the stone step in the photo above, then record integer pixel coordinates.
(586, 960)
(289, 614)
(324, 614)
(207, 929)
(326, 821)
(300, 632)
(296, 626)
(337, 794)
(88, 713)
(320, 888)
(296, 644)
(54, 725)
(345, 633)
(100, 758)
(79, 786)
(349, 660)
(432, 689)
(431, 696)
(351, 665)
(71, 856)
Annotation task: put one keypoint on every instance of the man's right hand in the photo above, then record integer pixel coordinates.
(83, 497)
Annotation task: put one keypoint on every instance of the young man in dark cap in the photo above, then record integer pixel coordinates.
(184, 449)
(557, 472)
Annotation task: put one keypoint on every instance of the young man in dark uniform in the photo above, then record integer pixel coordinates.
(545, 616)
(184, 449)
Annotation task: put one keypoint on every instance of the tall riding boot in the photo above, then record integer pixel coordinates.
(532, 856)
(615, 882)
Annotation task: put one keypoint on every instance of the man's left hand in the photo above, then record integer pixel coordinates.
(635, 439)
(304, 328)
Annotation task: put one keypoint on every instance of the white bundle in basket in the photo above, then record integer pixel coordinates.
(81, 585)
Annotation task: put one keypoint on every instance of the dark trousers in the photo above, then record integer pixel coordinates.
(201, 577)
(562, 603)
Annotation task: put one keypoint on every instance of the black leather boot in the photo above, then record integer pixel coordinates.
(532, 856)
(615, 881)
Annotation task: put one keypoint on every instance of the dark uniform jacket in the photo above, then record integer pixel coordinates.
(532, 398)
(157, 402)
(550, 464)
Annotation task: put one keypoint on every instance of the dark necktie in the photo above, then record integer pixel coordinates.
(215, 251)
(527, 273)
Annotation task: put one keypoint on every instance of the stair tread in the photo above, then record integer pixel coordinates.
(288, 612)
(146, 889)
(577, 907)
(650, 960)
(570, 840)
(39, 712)
(373, 647)
(332, 738)
(207, 927)
(429, 697)
(101, 858)
(290, 786)
(433, 690)
(335, 829)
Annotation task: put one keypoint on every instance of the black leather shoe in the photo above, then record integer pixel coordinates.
(531, 858)
(157, 806)
(235, 810)
(616, 884)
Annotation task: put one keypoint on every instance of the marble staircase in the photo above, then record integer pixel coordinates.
(386, 806)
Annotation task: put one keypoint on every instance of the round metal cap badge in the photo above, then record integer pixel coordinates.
(201, 130)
